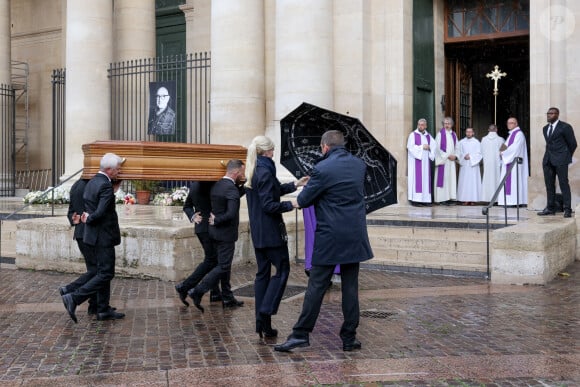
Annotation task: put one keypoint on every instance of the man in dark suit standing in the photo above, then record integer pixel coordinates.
(75, 209)
(223, 230)
(336, 188)
(197, 207)
(102, 233)
(560, 146)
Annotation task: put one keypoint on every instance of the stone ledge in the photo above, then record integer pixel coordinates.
(532, 252)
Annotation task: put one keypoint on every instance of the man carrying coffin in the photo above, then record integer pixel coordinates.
(421, 149)
(517, 180)
(469, 183)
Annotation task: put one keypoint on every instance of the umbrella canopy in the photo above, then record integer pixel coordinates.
(302, 130)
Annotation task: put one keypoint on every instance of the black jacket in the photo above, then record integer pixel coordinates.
(77, 204)
(198, 200)
(102, 225)
(225, 205)
(561, 144)
(264, 206)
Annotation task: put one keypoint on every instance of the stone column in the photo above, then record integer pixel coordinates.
(197, 25)
(237, 85)
(89, 42)
(304, 54)
(134, 29)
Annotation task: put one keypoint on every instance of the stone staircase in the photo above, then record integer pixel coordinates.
(427, 241)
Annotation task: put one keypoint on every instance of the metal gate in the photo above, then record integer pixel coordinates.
(7, 143)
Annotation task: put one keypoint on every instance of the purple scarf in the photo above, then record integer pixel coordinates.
(508, 181)
(418, 168)
(443, 147)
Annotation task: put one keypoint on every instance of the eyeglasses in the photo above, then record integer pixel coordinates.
(162, 96)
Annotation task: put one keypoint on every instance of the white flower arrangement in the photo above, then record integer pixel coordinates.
(175, 198)
(61, 196)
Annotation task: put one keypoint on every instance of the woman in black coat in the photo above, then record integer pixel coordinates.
(263, 191)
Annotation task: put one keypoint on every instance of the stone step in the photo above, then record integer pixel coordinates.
(426, 245)
(8, 241)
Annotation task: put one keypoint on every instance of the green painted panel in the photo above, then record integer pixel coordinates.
(423, 63)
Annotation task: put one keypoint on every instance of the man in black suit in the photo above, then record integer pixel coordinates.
(223, 230)
(336, 189)
(75, 209)
(197, 207)
(560, 146)
(102, 233)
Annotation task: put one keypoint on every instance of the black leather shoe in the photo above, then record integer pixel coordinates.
(546, 211)
(92, 310)
(264, 327)
(182, 293)
(232, 303)
(567, 213)
(63, 290)
(70, 306)
(291, 343)
(110, 315)
(355, 344)
(196, 297)
(215, 297)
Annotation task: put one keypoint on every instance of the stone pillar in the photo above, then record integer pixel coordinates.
(89, 42)
(134, 29)
(5, 52)
(237, 86)
(197, 25)
(304, 55)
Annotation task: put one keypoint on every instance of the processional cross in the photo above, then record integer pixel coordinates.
(495, 75)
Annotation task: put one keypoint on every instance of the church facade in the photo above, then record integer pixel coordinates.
(386, 62)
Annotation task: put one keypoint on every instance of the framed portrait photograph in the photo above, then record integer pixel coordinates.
(162, 96)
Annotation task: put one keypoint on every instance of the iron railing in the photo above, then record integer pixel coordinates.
(485, 210)
(58, 124)
(133, 97)
(7, 141)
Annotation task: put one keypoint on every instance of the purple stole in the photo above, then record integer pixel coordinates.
(441, 168)
(508, 181)
(418, 168)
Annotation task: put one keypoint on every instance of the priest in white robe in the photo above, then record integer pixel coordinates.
(421, 147)
(469, 183)
(515, 147)
(445, 164)
(490, 148)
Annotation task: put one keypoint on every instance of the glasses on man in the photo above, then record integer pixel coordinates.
(162, 96)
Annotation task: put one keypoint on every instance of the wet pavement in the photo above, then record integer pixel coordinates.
(416, 330)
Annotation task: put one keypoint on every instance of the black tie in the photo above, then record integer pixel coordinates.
(550, 130)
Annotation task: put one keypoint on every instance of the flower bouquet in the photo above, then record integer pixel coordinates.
(175, 198)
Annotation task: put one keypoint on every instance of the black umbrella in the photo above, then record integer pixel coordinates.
(302, 130)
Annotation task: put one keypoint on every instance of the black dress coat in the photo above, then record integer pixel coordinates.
(102, 224)
(264, 206)
(336, 189)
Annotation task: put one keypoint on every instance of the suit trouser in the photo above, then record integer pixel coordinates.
(318, 282)
(270, 289)
(550, 173)
(100, 284)
(209, 262)
(91, 264)
(225, 254)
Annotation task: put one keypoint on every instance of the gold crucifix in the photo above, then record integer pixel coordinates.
(496, 75)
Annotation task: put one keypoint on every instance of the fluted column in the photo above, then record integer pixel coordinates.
(89, 50)
(134, 29)
(238, 77)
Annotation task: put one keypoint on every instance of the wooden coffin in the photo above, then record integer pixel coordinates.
(148, 160)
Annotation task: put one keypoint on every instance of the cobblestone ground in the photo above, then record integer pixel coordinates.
(416, 330)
